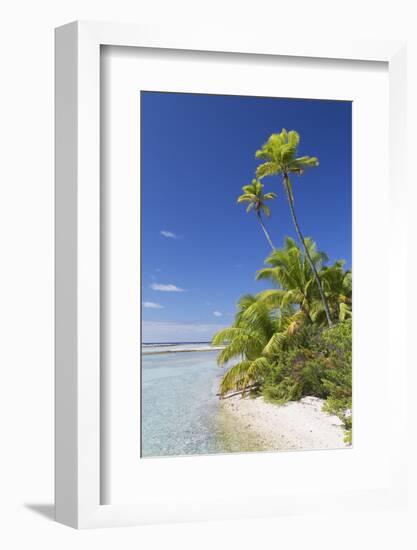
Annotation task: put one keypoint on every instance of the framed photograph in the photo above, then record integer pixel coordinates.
(224, 204)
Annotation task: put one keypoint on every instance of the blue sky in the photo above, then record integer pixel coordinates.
(200, 250)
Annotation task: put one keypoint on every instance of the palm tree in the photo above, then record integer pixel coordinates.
(259, 332)
(253, 194)
(245, 340)
(280, 152)
(290, 270)
(337, 284)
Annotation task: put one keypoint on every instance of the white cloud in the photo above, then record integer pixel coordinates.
(155, 331)
(169, 234)
(166, 288)
(152, 305)
(217, 313)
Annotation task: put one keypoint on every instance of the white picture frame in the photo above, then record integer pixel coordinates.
(78, 322)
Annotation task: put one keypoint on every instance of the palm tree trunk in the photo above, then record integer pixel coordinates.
(310, 261)
(268, 238)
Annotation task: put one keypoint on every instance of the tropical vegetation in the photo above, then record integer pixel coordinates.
(293, 339)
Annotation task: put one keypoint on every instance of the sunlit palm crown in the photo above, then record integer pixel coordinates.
(254, 195)
(280, 154)
(289, 269)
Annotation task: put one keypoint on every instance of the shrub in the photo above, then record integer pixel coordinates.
(318, 362)
(338, 378)
(287, 390)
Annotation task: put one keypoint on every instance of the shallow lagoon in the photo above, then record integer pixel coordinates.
(181, 413)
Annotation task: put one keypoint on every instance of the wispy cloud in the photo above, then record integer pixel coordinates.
(217, 313)
(166, 288)
(155, 331)
(169, 234)
(152, 305)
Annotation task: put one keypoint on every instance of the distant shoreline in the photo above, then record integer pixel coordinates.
(182, 350)
(160, 344)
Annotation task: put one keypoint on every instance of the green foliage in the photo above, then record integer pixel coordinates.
(244, 374)
(287, 390)
(318, 363)
(280, 154)
(254, 195)
(244, 342)
(302, 364)
(338, 379)
(289, 269)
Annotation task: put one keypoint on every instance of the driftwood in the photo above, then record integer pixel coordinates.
(247, 389)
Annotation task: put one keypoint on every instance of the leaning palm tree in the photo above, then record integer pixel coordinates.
(245, 340)
(280, 154)
(259, 332)
(253, 194)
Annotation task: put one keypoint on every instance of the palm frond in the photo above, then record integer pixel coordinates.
(247, 345)
(274, 346)
(267, 273)
(273, 298)
(266, 210)
(226, 335)
(233, 379)
(293, 138)
(298, 165)
(345, 312)
(257, 317)
(244, 198)
(268, 169)
(243, 374)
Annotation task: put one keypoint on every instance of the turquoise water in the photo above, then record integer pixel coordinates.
(181, 414)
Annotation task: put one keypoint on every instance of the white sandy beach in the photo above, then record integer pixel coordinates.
(296, 425)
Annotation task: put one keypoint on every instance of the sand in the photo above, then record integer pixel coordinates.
(297, 425)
